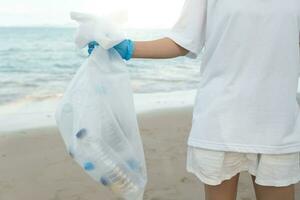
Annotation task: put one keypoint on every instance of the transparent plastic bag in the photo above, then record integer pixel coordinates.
(97, 121)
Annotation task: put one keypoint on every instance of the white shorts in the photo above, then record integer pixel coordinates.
(212, 167)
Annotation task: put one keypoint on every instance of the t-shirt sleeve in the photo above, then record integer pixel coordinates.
(189, 30)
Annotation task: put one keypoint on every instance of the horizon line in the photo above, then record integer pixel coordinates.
(70, 26)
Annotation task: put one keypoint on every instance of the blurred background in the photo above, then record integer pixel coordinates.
(39, 58)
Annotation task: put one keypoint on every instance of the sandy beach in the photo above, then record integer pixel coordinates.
(35, 165)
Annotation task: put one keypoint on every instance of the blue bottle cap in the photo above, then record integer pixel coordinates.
(81, 133)
(133, 164)
(88, 166)
(104, 180)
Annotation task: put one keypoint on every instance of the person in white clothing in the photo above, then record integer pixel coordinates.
(246, 115)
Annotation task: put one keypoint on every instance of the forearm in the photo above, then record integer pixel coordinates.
(160, 48)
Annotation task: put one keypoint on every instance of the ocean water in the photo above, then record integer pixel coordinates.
(37, 63)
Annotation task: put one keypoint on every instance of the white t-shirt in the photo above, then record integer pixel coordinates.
(246, 99)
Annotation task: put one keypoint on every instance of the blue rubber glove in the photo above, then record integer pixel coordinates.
(124, 48)
(91, 46)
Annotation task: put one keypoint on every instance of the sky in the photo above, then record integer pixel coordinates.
(141, 13)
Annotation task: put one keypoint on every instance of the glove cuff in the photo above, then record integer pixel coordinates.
(130, 50)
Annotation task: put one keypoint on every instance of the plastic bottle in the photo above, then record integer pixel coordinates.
(124, 178)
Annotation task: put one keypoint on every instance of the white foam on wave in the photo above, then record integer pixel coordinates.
(35, 114)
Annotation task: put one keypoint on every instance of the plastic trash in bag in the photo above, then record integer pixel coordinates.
(96, 115)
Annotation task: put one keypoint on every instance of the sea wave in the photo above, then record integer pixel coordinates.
(37, 64)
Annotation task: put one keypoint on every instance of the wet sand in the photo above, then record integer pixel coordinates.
(35, 165)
